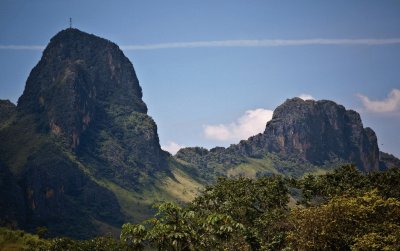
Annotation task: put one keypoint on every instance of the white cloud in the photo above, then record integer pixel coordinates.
(238, 43)
(251, 123)
(172, 147)
(389, 105)
(306, 97)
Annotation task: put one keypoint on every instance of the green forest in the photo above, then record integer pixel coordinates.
(341, 210)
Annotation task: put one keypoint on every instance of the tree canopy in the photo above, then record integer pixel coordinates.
(341, 210)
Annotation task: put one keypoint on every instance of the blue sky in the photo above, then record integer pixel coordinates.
(206, 93)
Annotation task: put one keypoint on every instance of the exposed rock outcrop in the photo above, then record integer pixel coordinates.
(317, 132)
(388, 161)
(85, 92)
(81, 123)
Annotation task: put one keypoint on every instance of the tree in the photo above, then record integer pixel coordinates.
(345, 180)
(387, 182)
(41, 231)
(346, 222)
(173, 228)
(221, 232)
(133, 236)
(259, 205)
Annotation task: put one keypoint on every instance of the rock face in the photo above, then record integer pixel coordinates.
(7, 109)
(315, 132)
(388, 161)
(80, 79)
(319, 132)
(80, 120)
(12, 203)
(86, 93)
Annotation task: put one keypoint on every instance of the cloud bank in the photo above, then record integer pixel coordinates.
(172, 147)
(251, 123)
(238, 43)
(391, 104)
(306, 97)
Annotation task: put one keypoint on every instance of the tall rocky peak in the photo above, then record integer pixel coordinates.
(81, 119)
(320, 132)
(84, 92)
(317, 132)
(79, 79)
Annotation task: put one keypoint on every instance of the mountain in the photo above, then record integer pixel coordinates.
(388, 161)
(85, 92)
(7, 109)
(302, 136)
(79, 154)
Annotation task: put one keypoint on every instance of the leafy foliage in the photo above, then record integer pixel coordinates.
(253, 203)
(177, 228)
(348, 180)
(233, 214)
(342, 210)
(133, 236)
(18, 240)
(361, 222)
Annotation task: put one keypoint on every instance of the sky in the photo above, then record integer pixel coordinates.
(212, 72)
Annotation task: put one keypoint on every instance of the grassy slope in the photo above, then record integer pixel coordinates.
(252, 167)
(272, 164)
(137, 205)
(181, 186)
(19, 141)
(22, 141)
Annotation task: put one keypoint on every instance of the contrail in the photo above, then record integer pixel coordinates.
(22, 47)
(264, 43)
(238, 43)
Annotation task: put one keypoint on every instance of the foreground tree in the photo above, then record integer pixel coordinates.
(259, 205)
(360, 223)
(345, 180)
(173, 228)
(177, 228)
(134, 236)
(342, 210)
